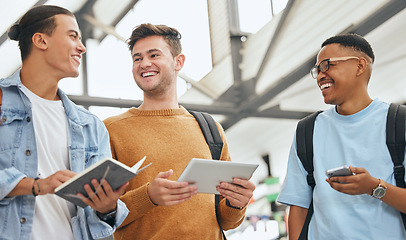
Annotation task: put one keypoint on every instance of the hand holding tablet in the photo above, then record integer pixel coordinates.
(207, 174)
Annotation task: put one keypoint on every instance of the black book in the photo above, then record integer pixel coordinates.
(113, 171)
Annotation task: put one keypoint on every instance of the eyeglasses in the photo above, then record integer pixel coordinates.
(325, 65)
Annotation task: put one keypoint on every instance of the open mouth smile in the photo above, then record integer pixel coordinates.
(325, 86)
(148, 74)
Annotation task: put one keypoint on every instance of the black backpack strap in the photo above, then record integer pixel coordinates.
(210, 132)
(304, 149)
(215, 142)
(304, 145)
(395, 141)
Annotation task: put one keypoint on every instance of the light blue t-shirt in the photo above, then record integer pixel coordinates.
(358, 140)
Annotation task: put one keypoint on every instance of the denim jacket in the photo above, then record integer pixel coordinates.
(88, 142)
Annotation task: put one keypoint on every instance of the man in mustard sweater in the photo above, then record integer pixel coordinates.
(161, 208)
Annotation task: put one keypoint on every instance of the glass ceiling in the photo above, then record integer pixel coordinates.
(109, 63)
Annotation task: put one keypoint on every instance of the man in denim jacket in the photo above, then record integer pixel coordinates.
(45, 139)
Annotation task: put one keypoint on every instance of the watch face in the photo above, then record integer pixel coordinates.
(379, 192)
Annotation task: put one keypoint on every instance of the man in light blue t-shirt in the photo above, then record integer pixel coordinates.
(351, 133)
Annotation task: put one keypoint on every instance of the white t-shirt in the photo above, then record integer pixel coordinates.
(52, 213)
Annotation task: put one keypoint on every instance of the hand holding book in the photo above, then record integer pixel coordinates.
(110, 170)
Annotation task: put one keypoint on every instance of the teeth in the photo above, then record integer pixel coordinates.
(325, 85)
(147, 74)
(76, 57)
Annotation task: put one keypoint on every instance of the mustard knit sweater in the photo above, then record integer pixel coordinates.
(169, 138)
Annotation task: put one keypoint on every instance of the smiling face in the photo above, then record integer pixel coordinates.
(339, 83)
(154, 67)
(64, 47)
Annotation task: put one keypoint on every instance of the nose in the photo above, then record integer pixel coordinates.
(145, 63)
(81, 47)
(321, 75)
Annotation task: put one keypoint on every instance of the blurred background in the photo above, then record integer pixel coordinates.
(247, 64)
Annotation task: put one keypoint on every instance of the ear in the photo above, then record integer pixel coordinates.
(39, 40)
(180, 60)
(362, 66)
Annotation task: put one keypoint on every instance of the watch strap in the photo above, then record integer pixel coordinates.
(107, 216)
(229, 204)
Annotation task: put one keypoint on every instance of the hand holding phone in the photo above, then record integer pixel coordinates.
(339, 171)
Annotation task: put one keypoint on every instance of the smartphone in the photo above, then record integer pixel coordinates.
(339, 171)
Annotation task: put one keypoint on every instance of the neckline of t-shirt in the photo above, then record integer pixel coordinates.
(35, 98)
(356, 116)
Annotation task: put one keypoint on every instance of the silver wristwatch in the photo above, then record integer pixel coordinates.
(379, 191)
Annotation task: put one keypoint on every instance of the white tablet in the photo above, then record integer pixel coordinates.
(207, 174)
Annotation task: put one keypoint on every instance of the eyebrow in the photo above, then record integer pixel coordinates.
(148, 52)
(75, 32)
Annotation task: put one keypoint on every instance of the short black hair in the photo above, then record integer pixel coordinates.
(354, 41)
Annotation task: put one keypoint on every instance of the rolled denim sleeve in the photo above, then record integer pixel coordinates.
(9, 178)
(100, 229)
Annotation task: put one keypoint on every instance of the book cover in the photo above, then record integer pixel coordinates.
(113, 171)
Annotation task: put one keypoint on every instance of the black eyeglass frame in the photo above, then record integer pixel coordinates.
(325, 65)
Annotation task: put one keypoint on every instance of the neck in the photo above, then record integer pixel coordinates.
(352, 107)
(39, 81)
(159, 103)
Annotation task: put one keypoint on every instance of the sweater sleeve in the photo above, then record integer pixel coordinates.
(138, 202)
(230, 218)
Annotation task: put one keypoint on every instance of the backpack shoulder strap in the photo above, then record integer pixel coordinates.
(304, 149)
(215, 142)
(304, 144)
(395, 141)
(210, 132)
